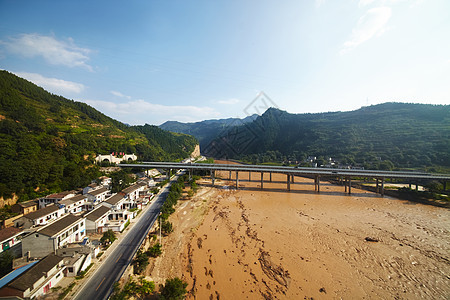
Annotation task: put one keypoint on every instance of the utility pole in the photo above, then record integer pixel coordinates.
(160, 239)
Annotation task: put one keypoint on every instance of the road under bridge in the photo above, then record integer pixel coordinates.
(343, 176)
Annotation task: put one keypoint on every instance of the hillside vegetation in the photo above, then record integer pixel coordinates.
(206, 131)
(385, 136)
(48, 143)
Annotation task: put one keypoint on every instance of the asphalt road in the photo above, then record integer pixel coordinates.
(100, 285)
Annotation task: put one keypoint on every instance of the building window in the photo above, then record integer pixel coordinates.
(70, 269)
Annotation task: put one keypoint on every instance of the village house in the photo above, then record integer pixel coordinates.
(149, 182)
(55, 198)
(105, 181)
(74, 204)
(96, 219)
(37, 280)
(25, 207)
(48, 239)
(98, 195)
(40, 217)
(116, 202)
(132, 192)
(10, 240)
(91, 187)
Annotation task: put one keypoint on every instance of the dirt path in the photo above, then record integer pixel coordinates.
(275, 244)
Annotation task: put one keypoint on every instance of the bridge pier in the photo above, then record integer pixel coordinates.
(237, 179)
(212, 177)
(376, 189)
(317, 183)
(288, 182)
(262, 180)
(382, 187)
(249, 176)
(292, 176)
(345, 184)
(444, 185)
(270, 176)
(229, 176)
(190, 174)
(349, 185)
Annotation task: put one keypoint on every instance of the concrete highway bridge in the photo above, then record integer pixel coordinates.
(343, 176)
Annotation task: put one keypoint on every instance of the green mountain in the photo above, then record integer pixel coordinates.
(206, 131)
(384, 136)
(48, 143)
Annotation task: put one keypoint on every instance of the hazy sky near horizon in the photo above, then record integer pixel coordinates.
(153, 61)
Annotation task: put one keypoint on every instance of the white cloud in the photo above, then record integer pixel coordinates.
(55, 52)
(119, 94)
(231, 101)
(53, 85)
(372, 23)
(139, 112)
(319, 2)
(365, 2)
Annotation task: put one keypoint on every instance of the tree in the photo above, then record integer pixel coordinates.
(108, 236)
(146, 287)
(6, 259)
(166, 227)
(155, 251)
(140, 262)
(174, 289)
(141, 288)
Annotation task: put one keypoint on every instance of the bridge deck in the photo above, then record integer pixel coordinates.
(294, 171)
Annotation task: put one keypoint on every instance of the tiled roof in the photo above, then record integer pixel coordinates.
(59, 225)
(8, 232)
(59, 195)
(73, 199)
(27, 203)
(97, 213)
(28, 278)
(114, 199)
(49, 209)
(131, 189)
(98, 192)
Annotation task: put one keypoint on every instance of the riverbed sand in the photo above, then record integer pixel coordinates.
(275, 244)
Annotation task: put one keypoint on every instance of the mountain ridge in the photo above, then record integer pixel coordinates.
(205, 130)
(387, 136)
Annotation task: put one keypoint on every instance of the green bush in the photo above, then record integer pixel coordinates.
(108, 236)
(174, 289)
(155, 251)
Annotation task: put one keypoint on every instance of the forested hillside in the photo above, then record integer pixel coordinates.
(48, 143)
(385, 136)
(205, 131)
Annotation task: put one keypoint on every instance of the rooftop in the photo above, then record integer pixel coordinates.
(115, 199)
(28, 278)
(73, 199)
(131, 189)
(27, 203)
(98, 192)
(97, 213)
(49, 209)
(15, 273)
(8, 233)
(59, 225)
(60, 195)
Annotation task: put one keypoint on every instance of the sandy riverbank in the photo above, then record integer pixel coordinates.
(276, 244)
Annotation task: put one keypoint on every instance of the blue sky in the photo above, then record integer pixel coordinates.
(153, 61)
